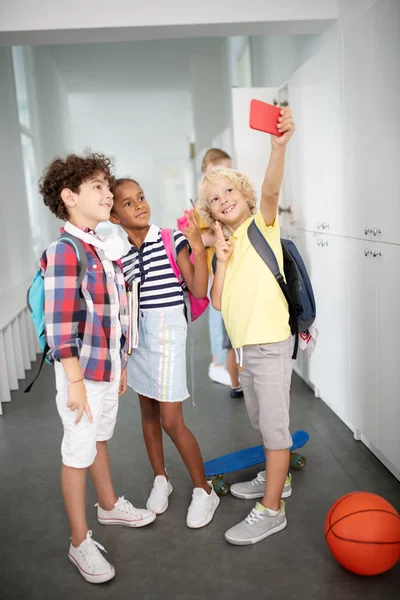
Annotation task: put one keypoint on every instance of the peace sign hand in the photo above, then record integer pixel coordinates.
(192, 232)
(223, 247)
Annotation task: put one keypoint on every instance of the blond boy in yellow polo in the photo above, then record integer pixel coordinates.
(256, 316)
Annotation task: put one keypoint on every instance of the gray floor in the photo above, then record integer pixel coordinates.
(166, 560)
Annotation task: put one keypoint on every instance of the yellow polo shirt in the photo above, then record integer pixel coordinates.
(254, 308)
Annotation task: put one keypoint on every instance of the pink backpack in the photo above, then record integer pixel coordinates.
(197, 306)
(182, 223)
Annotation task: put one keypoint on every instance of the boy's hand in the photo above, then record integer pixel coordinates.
(122, 383)
(77, 400)
(193, 233)
(223, 247)
(286, 126)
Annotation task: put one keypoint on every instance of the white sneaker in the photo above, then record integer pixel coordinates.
(124, 513)
(158, 499)
(202, 508)
(91, 563)
(219, 374)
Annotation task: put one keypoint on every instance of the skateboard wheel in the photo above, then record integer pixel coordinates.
(221, 488)
(296, 461)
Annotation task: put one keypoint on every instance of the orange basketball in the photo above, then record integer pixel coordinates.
(363, 533)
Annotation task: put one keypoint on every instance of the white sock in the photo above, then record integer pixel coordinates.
(272, 513)
(263, 509)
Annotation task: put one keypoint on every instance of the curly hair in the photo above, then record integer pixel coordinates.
(213, 156)
(239, 181)
(71, 172)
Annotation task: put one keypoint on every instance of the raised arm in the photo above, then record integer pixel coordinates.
(274, 174)
(195, 275)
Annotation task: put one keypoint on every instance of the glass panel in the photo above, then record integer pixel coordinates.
(32, 192)
(21, 85)
(245, 68)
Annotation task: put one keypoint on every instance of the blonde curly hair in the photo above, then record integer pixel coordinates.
(239, 181)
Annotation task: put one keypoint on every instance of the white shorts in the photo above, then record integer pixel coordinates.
(78, 448)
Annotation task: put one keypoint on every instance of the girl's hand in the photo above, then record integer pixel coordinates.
(122, 383)
(223, 247)
(193, 233)
(77, 400)
(286, 126)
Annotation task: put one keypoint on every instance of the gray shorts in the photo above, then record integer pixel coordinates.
(265, 379)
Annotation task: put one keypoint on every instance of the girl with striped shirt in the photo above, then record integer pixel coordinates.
(157, 368)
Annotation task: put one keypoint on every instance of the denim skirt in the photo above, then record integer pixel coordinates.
(157, 367)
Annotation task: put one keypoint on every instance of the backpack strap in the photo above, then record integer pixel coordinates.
(80, 251)
(214, 263)
(265, 251)
(45, 351)
(83, 263)
(167, 236)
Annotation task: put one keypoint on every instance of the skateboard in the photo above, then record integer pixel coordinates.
(241, 459)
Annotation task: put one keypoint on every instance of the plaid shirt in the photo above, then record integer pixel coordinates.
(83, 322)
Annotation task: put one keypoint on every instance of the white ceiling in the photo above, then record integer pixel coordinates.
(82, 21)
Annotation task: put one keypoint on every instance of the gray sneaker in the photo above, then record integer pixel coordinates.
(256, 527)
(248, 490)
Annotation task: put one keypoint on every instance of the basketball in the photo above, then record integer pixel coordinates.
(363, 533)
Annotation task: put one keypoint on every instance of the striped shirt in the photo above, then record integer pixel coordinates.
(159, 287)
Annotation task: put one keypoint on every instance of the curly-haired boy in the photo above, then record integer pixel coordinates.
(86, 331)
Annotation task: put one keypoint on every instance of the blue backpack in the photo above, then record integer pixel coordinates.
(297, 288)
(35, 298)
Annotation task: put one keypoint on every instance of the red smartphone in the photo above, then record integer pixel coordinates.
(264, 117)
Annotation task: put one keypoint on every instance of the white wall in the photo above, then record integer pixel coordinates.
(50, 106)
(16, 261)
(236, 46)
(149, 65)
(144, 131)
(275, 58)
(51, 124)
(211, 94)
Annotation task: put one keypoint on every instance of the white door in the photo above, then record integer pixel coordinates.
(363, 339)
(328, 371)
(252, 148)
(314, 254)
(388, 345)
(335, 390)
(315, 152)
(386, 73)
(359, 140)
(302, 363)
